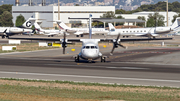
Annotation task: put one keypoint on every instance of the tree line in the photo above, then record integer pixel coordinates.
(6, 17)
(160, 6)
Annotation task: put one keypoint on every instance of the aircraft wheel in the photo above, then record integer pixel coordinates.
(51, 35)
(7, 37)
(77, 59)
(103, 59)
(3, 37)
(77, 35)
(48, 35)
(81, 35)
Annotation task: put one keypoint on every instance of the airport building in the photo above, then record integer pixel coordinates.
(48, 14)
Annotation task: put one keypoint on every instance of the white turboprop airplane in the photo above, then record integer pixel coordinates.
(90, 49)
(5, 32)
(148, 32)
(49, 33)
(81, 31)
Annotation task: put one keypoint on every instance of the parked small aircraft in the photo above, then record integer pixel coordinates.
(49, 33)
(5, 32)
(81, 31)
(148, 32)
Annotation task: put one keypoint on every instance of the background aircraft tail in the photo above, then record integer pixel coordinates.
(27, 24)
(37, 27)
(176, 24)
(111, 27)
(62, 25)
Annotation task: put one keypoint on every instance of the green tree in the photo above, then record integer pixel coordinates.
(20, 20)
(141, 18)
(150, 21)
(155, 20)
(119, 17)
(109, 14)
(6, 19)
(5, 7)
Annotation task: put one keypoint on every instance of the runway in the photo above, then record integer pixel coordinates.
(147, 66)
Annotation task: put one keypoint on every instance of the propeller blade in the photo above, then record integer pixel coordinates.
(115, 44)
(111, 53)
(122, 46)
(64, 49)
(117, 37)
(64, 43)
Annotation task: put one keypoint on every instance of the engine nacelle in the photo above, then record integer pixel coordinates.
(16, 30)
(162, 30)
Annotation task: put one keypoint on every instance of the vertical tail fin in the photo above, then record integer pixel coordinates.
(37, 27)
(176, 24)
(111, 27)
(27, 24)
(62, 25)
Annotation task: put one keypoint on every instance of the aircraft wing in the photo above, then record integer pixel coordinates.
(139, 39)
(46, 39)
(105, 40)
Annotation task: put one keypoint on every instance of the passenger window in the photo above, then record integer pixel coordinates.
(96, 47)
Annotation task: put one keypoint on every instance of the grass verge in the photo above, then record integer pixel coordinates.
(31, 90)
(25, 47)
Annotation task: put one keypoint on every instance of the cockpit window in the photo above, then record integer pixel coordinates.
(92, 47)
(87, 47)
(112, 29)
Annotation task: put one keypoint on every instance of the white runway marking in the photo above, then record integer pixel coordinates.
(92, 77)
(98, 66)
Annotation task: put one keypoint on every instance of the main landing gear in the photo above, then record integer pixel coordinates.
(4, 36)
(77, 58)
(103, 59)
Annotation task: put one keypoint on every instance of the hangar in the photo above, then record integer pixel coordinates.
(50, 13)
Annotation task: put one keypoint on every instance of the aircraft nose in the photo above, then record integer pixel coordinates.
(91, 54)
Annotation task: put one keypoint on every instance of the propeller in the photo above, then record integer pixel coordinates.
(116, 44)
(64, 43)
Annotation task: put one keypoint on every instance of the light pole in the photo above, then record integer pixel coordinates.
(167, 11)
(58, 11)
